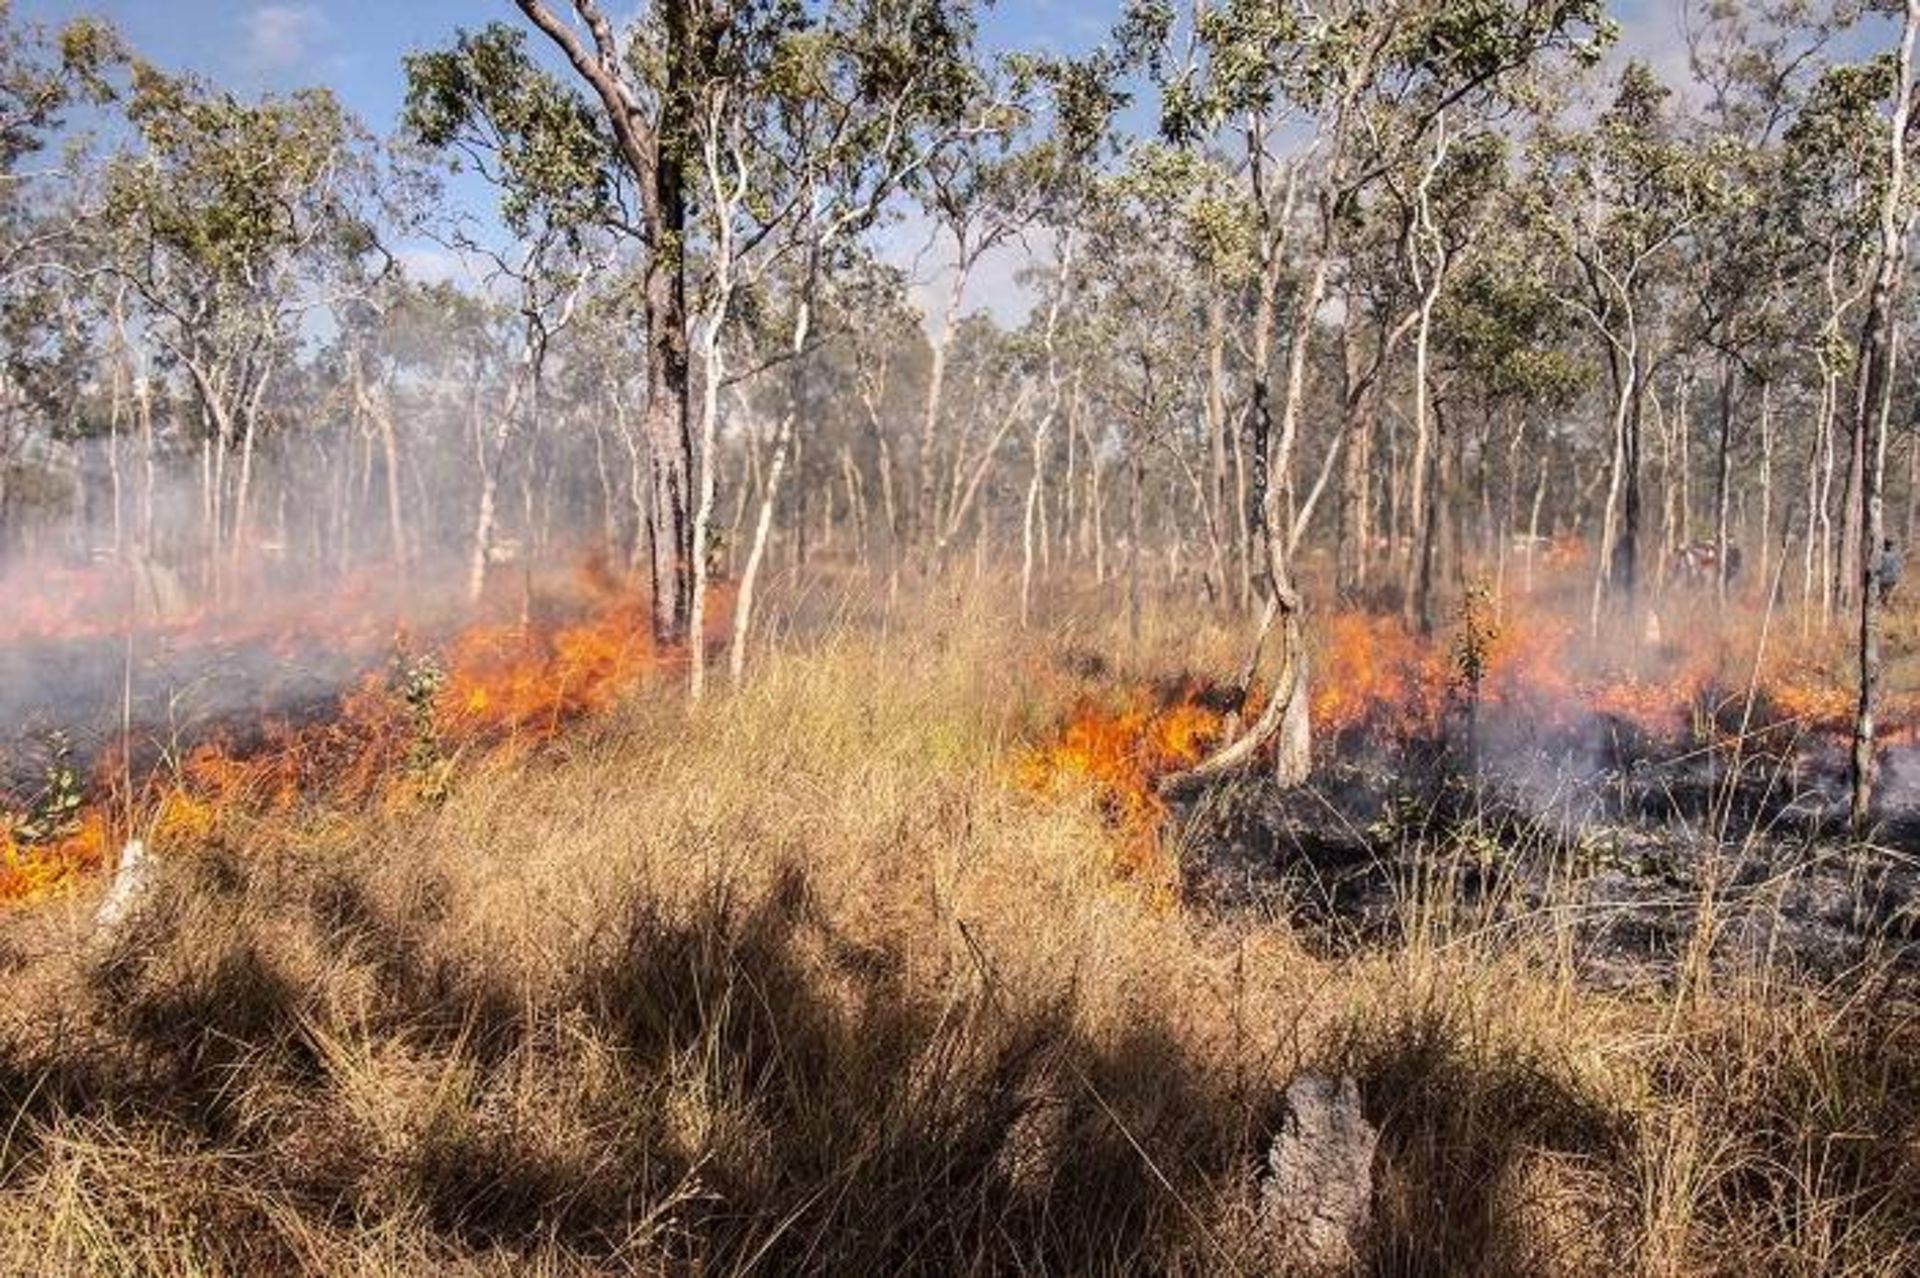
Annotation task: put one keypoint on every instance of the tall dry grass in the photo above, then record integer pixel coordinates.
(800, 983)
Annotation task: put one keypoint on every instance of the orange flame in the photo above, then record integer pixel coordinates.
(1120, 752)
(502, 687)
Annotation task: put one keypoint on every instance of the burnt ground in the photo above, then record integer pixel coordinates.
(1641, 855)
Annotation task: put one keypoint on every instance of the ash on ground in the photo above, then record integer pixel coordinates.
(1634, 859)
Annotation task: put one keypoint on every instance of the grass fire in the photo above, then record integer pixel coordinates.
(935, 637)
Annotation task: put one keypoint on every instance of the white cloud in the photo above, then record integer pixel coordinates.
(279, 37)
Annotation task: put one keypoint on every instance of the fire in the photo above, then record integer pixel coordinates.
(1377, 678)
(1376, 681)
(1120, 749)
(391, 737)
(33, 868)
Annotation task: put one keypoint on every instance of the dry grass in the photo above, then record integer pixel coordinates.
(802, 984)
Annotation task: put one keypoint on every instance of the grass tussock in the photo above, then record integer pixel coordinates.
(801, 983)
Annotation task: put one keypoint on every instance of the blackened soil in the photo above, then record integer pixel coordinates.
(1634, 869)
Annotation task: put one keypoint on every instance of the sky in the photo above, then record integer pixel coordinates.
(356, 47)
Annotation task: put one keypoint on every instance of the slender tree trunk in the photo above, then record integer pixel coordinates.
(1672, 534)
(1096, 525)
(1626, 563)
(1624, 361)
(776, 469)
(1766, 483)
(927, 522)
(490, 450)
(1136, 486)
(243, 493)
(1723, 474)
(1220, 531)
(1420, 597)
(1350, 570)
(714, 369)
(725, 193)
(1874, 409)
(1683, 443)
(1533, 516)
(373, 402)
(390, 457)
(148, 468)
(1042, 433)
(1911, 524)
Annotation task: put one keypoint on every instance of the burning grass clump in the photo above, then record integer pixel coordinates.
(1118, 745)
(393, 736)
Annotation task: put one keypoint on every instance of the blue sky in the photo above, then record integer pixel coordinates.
(355, 46)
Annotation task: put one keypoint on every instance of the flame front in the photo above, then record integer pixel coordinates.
(502, 688)
(1376, 683)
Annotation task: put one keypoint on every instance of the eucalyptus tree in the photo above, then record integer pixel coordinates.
(1059, 170)
(1834, 168)
(1619, 198)
(44, 78)
(1454, 196)
(228, 222)
(981, 192)
(1368, 82)
(643, 81)
(486, 105)
(602, 374)
(1503, 342)
(706, 133)
(1138, 324)
(47, 79)
(1874, 395)
(370, 375)
(1750, 270)
(810, 124)
(885, 345)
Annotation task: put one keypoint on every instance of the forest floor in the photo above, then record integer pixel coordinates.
(815, 979)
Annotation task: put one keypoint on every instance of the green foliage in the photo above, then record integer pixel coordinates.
(41, 76)
(418, 680)
(488, 103)
(233, 189)
(1419, 54)
(1836, 155)
(1479, 630)
(55, 811)
(1502, 325)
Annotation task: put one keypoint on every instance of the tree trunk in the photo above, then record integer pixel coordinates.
(1220, 532)
(1911, 523)
(1350, 570)
(1042, 433)
(1873, 412)
(776, 469)
(1424, 507)
(927, 523)
(714, 367)
(1626, 560)
(1766, 484)
(1136, 476)
(1624, 362)
(1723, 474)
(390, 457)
